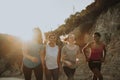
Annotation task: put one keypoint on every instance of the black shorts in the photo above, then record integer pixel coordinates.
(68, 71)
(94, 64)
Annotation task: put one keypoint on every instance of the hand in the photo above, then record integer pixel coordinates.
(77, 61)
(34, 59)
(68, 63)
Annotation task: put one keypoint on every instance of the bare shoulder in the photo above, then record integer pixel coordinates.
(90, 44)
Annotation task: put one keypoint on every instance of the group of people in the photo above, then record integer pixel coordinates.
(49, 58)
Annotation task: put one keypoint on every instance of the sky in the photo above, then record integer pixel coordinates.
(19, 17)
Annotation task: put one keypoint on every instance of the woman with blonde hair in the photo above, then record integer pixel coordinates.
(32, 56)
(69, 57)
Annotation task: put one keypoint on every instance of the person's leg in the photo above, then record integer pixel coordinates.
(97, 74)
(72, 73)
(69, 72)
(92, 67)
(27, 73)
(48, 74)
(94, 77)
(55, 74)
(38, 71)
(96, 67)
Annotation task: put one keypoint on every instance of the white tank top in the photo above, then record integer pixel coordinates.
(51, 57)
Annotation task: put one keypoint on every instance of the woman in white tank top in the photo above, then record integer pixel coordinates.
(52, 59)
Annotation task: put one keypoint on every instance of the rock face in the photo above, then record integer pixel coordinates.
(10, 55)
(102, 16)
(108, 24)
(85, 20)
(10, 79)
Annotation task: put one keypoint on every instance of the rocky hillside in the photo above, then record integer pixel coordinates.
(109, 25)
(10, 54)
(82, 22)
(102, 16)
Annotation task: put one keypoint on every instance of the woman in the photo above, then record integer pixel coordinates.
(52, 59)
(69, 57)
(32, 56)
(97, 55)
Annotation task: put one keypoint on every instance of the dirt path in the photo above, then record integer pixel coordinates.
(11, 78)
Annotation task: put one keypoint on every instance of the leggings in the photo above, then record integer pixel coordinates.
(38, 71)
(52, 74)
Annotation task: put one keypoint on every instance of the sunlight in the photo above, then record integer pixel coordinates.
(26, 37)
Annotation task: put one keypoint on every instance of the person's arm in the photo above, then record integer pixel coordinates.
(62, 54)
(25, 54)
(87, 46)
(42, 56)
(59, 57)
(104, 53)
(63, 57)
(77, 55)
